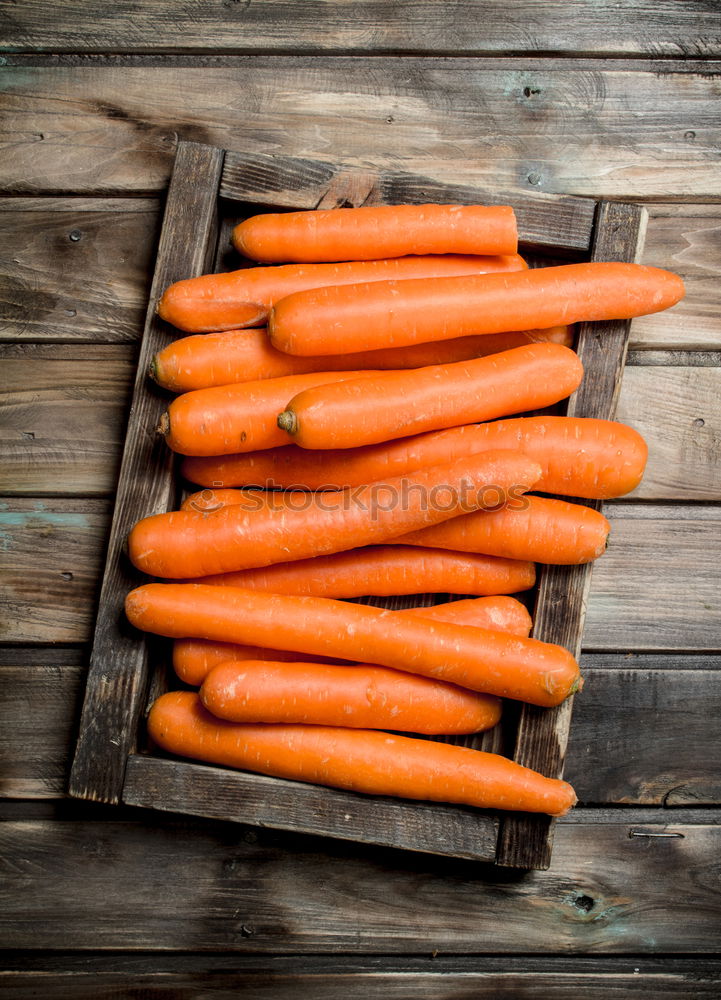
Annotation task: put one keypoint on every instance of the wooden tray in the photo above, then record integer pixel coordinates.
(209, 191)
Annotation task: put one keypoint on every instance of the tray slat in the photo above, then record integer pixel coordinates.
(118, 671)
(218, 793)
(563, 223)
(526, 841)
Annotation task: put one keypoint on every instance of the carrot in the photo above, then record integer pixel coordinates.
(532, 528)
(579, 456)
(369, 233)
(386, 571)
(236, 418)
(535, 528)
(478, 659)
(210, 501)
(389, 314)
(362, 696)
(247, 355)
(194, 658)
(243, 298)
(394, 404)
(183, 544)
(367, 761)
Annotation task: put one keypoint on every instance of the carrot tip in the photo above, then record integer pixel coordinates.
(577, 685)
(164, 424)
(153, 368)
(287, 421)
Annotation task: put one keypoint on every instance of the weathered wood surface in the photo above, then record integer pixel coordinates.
(569, 127)
(118, 668)
(63, 419)
(562, 592)
(50, 293)
(426, 977)
(52, 560)
(75, 268)
(565, 27)
(63, 410)
(640, 734)
(210, 886)
(681, 609)
(53, 554)
(685, 239)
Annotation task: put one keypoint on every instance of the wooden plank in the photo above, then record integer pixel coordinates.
(38, 714)
(433, 977)
(52, 557)
(677, 411)
(640, 730)
(681, 609)
(117, 674)
(215, 887)
(685, 239)
(63, 422)
(75, 268)
(562, 591)
(616, 132)
(177, 786)
(44, 539)
(608, 27)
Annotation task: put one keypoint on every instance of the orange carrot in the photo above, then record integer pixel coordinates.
(194, 658)
(362, 696)
(370, 233)
(183, 544)
(580, 457)
(210, 501)
(394, 404)
(538, 529)
(243, 298)
(236, 418)
(358, 760)
(351, 318)
(535, 528)
(247, 355)
(478, 659)
(386, 571)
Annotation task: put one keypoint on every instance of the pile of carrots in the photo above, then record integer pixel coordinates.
(352, 414)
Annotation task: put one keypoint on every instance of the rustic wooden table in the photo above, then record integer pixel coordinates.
(609, 99)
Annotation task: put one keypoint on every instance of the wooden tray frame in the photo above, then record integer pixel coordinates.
(124, 673)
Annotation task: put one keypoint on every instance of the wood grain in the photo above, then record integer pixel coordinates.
(608, 28)
(574, 127)
(118, 670)
(38, 719)
(428, 977)
(640, 732)
(63, 422)
(52, 561)
(685, 239)
(212, 886)
(677, 411)
(681, 610)
(75, 268)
